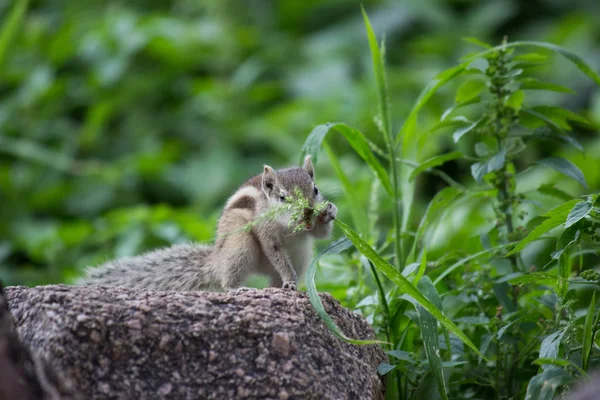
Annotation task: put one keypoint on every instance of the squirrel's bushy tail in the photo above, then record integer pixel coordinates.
(180, 267)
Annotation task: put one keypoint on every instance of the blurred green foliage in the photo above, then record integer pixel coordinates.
(125, 125)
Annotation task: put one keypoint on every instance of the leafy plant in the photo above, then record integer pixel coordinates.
(499, 301)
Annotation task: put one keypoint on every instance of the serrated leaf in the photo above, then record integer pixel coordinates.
(547, 132)
(434, 162)
(497, 162)
(575, 59)
(560, 115)
(384, 368)
(463, 131)
(403, 284)
(569, 237)
(557, 216)
(533, 84)
(578, 213)
(515, 100)
(550, 345)
(565, 167)
(356, 139)
(469, 90)
(478, 171)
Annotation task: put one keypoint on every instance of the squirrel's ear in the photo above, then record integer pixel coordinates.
(269, 179)
(308, 166)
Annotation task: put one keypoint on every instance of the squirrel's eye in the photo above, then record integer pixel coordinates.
(316, 190)
(281, 197)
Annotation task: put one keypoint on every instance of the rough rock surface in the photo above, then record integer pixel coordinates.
(23, 376)
(136, 344)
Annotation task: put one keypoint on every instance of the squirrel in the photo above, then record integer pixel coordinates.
(272, 246)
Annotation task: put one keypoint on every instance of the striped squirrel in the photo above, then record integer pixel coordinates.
(270, 247)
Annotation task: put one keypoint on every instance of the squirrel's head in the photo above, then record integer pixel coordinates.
(281, 185)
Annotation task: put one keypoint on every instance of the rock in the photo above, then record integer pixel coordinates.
(22, 375)
(114, 342)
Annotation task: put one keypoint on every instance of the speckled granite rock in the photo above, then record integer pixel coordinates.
(135, 344)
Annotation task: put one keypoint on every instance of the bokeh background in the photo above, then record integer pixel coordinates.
(124, 125)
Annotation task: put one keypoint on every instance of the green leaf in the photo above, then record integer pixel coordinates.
(463, 131)
(429, 334)
(533, 277)
(544, 385)
(434, 162)
(588, 333)
(578, 212)
(455, 107)
(469, 90)
(356, 139)
(497, 162)
(428, 92)
(10, 26)
(335, 247)
(401, 355)
(534, 84)
(477, 42)
(548, 189)
(402, 283)
(384, 368)
(422, 268)
(440, 202)
(569, 237)
(565, 167)
(551, 344)
(478, 171)
(557, 134)
(560, 115)
(575, 59)
(379, 70)
(359, 217)
(557, 216)
(515, 100)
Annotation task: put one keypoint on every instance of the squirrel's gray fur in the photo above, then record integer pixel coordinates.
(270, 247)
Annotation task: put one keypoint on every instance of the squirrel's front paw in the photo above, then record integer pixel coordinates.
(328, 214)
(290, 285)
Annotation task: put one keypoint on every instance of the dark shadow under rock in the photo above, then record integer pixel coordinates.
(120, 343)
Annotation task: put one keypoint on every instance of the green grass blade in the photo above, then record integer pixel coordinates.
(429, 333)
(403, 284)
(335, 247)
(359, 217)
(426, 95)
(380, 79)
(10, 26)
(440, 202)
(356, 139)
(588, 333)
